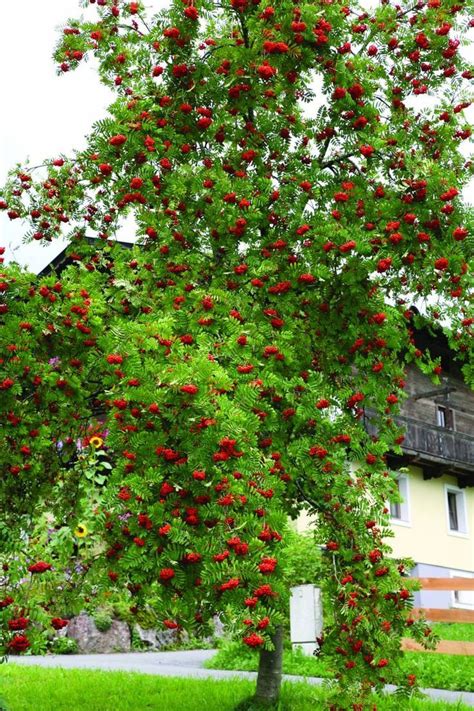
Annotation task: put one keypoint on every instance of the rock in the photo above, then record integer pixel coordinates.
(91, 641)
(147, 637)
(155, 639)
(219, 629)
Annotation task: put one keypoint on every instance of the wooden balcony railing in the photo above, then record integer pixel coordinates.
(438, 447)
(439, 442)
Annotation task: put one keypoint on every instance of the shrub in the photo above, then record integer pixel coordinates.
(64, 645)
(302, 558)
(103, 621)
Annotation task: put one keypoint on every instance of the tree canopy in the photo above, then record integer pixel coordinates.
(293, 171)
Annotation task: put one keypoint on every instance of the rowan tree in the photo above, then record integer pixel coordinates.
(293, 194)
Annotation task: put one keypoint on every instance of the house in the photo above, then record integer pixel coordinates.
(434, 524)
(65, 259)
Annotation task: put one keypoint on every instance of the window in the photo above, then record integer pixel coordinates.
(453, 511)
(395, 509)
(399, 510)
(463, 598)
(444, 417)
(456, 510)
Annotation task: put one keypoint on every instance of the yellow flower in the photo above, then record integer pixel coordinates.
(96, 441)
(81, 531)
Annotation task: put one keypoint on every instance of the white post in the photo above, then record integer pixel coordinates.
(306, 617)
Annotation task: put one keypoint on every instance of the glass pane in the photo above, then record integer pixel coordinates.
(453, 511)
(441, 417)
(395, 506)
(395, 510)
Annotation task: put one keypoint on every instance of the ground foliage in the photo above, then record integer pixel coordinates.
(164, 408)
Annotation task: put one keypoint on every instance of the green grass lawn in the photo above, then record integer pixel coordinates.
(458, 631)
(439, 671)
(35, 689)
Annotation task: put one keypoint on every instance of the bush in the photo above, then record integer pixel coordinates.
(64, 645)
(103, 621)
(301, 558)
(39, 644)
(146, 618)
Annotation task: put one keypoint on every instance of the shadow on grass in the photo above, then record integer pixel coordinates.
(251, 704)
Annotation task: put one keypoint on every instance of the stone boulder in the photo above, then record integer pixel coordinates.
(91, 641)
(219, 629)
(154, 640)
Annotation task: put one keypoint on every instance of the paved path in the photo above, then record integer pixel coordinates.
(188, 664)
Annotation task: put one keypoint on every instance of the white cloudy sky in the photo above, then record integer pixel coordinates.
(42, 114)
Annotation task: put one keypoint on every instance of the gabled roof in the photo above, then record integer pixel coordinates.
(63, 260)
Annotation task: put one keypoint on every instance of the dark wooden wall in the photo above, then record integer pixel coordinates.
(424, 409)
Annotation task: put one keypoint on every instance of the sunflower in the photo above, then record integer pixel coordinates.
(96, 441)
(81, 531)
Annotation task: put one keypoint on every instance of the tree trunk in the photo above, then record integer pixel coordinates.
(269, 672)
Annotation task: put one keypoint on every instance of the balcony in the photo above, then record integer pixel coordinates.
(437, 450)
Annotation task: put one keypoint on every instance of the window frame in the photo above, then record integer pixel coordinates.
(461, 511)
(455, 602)
(446, 414)
(405, 509)
(441, 416)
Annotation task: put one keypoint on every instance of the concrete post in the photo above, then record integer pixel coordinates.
(306, 617)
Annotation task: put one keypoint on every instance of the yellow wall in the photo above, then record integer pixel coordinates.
(304, 522)
(427, 539)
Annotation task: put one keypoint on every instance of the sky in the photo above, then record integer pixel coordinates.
(43, 114)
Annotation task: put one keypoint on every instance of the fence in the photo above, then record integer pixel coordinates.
(451, 615)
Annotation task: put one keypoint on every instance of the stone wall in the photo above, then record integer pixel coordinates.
(118, 637)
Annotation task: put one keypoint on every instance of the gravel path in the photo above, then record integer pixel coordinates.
(186, 664)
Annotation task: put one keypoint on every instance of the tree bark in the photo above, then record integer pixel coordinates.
(270, 671)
